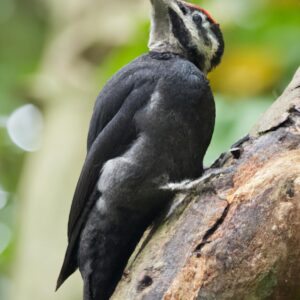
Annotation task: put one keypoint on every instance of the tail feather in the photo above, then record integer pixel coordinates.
(70, 263)
(69, 266)
(105, 246)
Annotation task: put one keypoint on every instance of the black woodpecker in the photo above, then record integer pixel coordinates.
(151, 125)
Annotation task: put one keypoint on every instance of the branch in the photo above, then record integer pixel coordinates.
(233, 233)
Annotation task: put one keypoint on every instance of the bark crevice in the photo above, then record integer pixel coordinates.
(212, 230)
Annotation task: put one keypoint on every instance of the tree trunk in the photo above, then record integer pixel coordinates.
(235, 232)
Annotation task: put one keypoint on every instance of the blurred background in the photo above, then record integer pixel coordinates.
(54, 58)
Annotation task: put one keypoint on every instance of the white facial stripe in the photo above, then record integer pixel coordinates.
(207, 51)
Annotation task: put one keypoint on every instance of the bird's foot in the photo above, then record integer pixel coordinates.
(188, 185)
(177, 186)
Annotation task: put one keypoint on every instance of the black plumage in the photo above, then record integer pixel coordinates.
(152, 124)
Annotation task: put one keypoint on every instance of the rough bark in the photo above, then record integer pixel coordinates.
(235, 232)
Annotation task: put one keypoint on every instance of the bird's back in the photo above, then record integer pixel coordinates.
(152, 123)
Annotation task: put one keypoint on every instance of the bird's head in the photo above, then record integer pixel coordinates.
(188, 30)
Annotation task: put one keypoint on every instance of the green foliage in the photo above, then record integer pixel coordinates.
(22, 35)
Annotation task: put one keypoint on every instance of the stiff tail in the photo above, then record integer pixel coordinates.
(70, 263)
(106, 243)
(69, 266)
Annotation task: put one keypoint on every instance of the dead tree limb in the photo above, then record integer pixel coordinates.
(235, 232)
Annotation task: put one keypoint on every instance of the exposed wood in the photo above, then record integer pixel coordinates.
(235, 232)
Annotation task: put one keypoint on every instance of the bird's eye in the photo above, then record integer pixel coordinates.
(197, 18)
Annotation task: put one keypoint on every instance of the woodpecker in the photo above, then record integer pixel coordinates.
(151, 125)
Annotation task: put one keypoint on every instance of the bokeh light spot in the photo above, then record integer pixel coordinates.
(25, 127)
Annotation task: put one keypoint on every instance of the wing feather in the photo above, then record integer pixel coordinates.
(112, 131)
